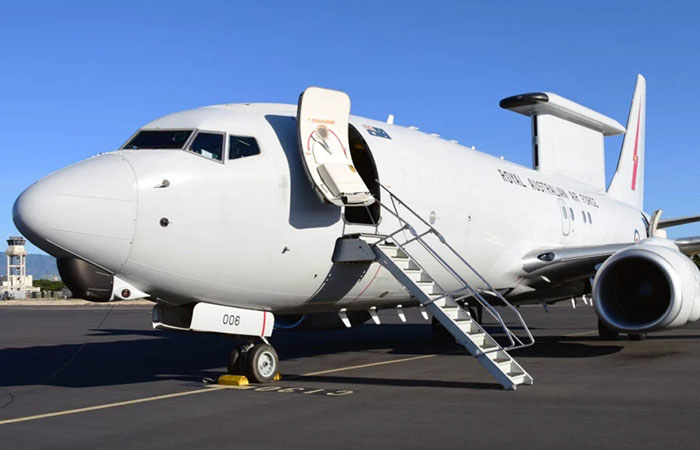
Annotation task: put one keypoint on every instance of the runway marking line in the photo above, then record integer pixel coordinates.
(197, 391)
(380, 363)
(107, 405)
(585, 333)
(221, 387)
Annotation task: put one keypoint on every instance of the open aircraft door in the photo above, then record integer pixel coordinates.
(323, 118)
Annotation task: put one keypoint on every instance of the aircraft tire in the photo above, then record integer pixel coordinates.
(605, 333)
(637, 336)
(260, 364)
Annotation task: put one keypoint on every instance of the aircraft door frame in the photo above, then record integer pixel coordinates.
(363, 160)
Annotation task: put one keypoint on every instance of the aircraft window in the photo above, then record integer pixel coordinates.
(583, 213)
(563, 212)
(209, 145)
(156, 139)
(240, 147)
(589, 218)
(571, 212)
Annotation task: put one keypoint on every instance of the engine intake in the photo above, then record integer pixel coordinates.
(646, 287)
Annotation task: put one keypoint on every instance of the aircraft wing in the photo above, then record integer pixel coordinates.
(560, 265)
(678, 221)
(564, 264)
(689, 245)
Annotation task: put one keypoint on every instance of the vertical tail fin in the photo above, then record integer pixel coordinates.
(627, 184)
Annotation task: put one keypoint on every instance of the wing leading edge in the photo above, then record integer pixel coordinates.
(566, 264)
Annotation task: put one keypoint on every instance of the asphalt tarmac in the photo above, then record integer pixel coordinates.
(100, 377)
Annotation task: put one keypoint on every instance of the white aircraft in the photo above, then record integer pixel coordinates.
(236, 218)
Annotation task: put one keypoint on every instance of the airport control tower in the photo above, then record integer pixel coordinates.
(16, 283)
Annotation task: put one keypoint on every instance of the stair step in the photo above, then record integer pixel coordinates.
(488, 346)
(501, 359)
(442, 302)
(414, 274)
(519, 379)
(392, 251)
(454, 317)
(452, 313)
(429, 287)
(405, 264)
(503, 364)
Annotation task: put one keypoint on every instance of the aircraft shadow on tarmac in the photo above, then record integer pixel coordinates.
(564, 347)
(134, 356)
(399, 382)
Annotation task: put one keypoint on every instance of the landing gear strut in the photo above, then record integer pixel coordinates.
(257, 361)
(606, 333)
(477, 312)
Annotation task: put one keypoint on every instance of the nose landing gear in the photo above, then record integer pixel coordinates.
(257, 361)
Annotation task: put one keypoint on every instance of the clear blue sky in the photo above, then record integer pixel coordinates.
(78, 78)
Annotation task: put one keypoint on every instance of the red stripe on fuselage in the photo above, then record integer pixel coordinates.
(368, 284)
(264, 320)
(636, 158)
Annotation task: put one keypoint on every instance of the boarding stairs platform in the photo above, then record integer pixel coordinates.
(397, 253)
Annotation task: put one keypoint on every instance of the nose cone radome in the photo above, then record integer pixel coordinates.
(87, 209)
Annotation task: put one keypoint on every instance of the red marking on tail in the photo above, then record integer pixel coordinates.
(636, 158)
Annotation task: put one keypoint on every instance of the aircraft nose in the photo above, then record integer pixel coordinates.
(87, 209)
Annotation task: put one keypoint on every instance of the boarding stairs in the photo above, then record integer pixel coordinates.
(397, 253)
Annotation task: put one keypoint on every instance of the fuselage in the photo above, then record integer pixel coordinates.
(251, 232)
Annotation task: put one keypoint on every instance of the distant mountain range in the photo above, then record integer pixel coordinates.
(38, 266)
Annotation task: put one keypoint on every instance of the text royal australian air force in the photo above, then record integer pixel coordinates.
(541, 186)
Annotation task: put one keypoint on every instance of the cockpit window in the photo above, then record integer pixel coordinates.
(155, 139)
(209, 145)
(240, 147)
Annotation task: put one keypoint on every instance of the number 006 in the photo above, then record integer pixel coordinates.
(232, 320)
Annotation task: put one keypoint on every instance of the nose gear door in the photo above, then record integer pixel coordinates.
(322, 118)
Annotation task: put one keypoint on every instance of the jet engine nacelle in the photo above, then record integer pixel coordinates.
(318, 321)
(85, 280)
(646, 287)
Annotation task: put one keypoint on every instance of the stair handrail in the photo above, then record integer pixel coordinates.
(406, 226)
